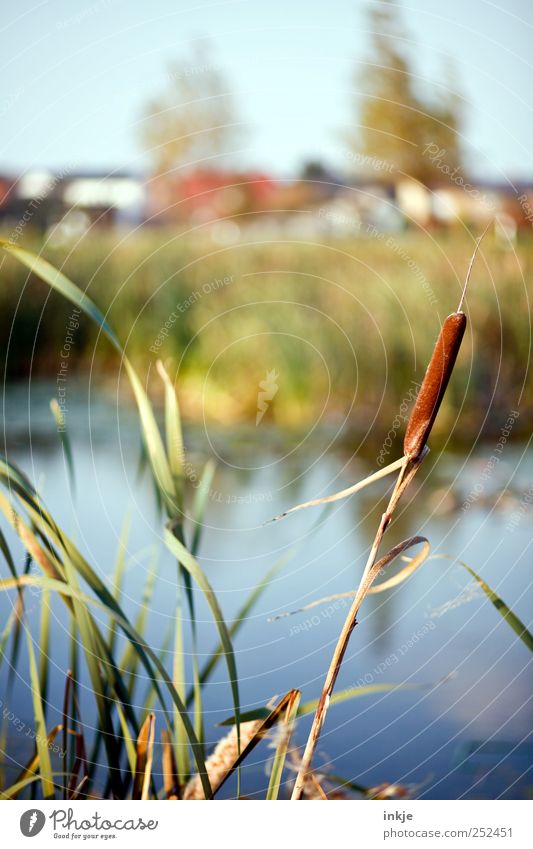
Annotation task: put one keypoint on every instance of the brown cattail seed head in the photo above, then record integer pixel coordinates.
(434, 384)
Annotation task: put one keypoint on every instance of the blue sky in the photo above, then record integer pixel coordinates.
(75, 76)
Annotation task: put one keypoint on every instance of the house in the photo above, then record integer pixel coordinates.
(205, 195)
(43, 200)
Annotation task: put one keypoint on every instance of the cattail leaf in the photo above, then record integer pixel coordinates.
(407, 571)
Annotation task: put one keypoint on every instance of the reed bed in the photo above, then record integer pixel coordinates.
(345, 298)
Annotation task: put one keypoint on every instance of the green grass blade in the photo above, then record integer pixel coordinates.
(59, 419)
(99, 648)
(197, 515)
(357, 692)
(241, 617)
(152, 438)
(193, 567)
(197, 518)
(45, 766)
(10, 624)
(176, 455)
(147, 654)
(511, 618)
(44, 646)
(13, 791)
(199, 505)
(118, 574)
(291, 712)
(149, 697)
(127, 739)
(130, 659)
(95, 648)
(178, 677)
(250, 602)
(4, 548)
(92, 650)
(174, 437)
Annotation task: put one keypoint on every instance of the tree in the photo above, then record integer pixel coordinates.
(194, 120)
(399, 120)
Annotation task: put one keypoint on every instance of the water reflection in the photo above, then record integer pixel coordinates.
(457, 731)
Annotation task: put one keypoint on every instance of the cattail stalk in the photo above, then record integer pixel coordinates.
(402, 482)
(426, 407)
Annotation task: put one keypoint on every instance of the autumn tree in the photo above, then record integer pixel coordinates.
(398, 116)
(193, 121)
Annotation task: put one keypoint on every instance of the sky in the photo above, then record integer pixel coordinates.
(76, 76)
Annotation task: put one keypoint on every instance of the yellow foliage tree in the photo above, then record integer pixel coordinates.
(398, 117)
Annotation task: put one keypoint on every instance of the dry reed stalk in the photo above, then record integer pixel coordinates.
(314, 780)
(404, 479)
(417, 433)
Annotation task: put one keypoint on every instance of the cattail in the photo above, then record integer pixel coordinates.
(434, 385)
(437, 375)
(223, 759)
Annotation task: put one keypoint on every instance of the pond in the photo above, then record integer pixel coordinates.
(457, 724)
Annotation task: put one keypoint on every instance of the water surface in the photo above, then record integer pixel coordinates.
(462, 731)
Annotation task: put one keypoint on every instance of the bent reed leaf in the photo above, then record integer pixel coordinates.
(343, 493)
(413, 564)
